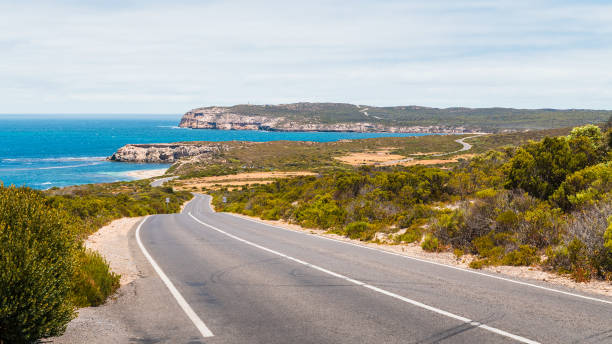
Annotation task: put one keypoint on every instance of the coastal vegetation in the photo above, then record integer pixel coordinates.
(327, 156)
(544, 202)
(45, 270)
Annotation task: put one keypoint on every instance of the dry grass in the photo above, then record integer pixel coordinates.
(386, 158)
(455, 158)
(370, 158)
(234, 180)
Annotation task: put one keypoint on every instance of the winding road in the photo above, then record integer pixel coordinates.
(218, 278)
(466, 146)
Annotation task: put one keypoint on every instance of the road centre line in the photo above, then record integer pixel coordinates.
(199, 324)
(373, 288)
(432, 262)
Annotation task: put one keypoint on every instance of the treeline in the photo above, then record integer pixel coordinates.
(513, 206)
(45, 272)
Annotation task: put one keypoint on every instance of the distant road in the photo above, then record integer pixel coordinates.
(466, 146)
(161, 181)
(226, 279)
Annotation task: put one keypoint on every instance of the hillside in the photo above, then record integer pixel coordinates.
(363, 118)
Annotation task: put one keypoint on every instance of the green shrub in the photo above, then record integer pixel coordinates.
(572, 259)
(458, 253)
(486, 193)
(584, 187)
(540, 167)
(478, 263)
(359, 230)
(322, 212)
(93, 281)
(37, 248)
(447, 225)
(412, 234)
(430, 243)
(525, 255)
(608, 236)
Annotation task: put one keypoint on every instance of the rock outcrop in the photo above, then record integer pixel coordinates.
(164, 152)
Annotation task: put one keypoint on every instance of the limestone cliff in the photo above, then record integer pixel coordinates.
(287, 118)
(164, 152)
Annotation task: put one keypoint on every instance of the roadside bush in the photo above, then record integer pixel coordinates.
(430, 243)
(584, 187)
(608, 236)
(525, 255)
(492, 247)
(447, 225)
(540, 167)
(412, 234)
(322, 212)
(93, 281)
(585, 254)
(571, 259)
(359, 230)
(414, 214)
(528, 220)
(37, 249)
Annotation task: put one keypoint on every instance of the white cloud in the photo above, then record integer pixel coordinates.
(143, 56)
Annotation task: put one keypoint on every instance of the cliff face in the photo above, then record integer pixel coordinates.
(226, 119)
(222, 118)
(164, 152)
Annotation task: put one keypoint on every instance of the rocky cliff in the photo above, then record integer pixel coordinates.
(361, 118)
(287, 118)
(165, 152)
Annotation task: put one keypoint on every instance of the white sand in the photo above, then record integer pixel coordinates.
(145, 174)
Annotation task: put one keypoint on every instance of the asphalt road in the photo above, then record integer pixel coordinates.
(226, 279)
(161, 181)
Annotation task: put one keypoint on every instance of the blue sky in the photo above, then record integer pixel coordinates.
(170, 56)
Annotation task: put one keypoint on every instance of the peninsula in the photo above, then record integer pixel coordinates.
(397, 119)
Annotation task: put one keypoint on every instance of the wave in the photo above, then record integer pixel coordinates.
(62, 159)
(171, 127)
(48, 168)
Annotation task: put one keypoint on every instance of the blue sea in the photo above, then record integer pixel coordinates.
(43, 151)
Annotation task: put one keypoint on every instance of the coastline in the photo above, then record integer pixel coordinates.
(145, 174)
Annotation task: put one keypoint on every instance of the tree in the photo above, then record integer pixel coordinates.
(590, 131)
(540, 167)
(37, 250)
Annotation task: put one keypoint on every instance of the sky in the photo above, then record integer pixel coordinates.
(130, 56)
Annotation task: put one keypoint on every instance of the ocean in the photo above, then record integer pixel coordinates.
(43, 151)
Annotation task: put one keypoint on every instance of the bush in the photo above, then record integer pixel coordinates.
(322, 212)
(571, 259)
(608, 236)
(525, 255)
(477, 264)
(458, 253)
(412, 234)
(359, 230)
(37, 249)
(446, 226)
(93, 281)
(584, 187)
(540, 167)
(430, 243)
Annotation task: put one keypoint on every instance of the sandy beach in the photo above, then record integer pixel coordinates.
(145, 174)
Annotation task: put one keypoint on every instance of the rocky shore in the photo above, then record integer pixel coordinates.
(165, 152)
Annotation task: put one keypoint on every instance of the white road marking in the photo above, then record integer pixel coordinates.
(432, 262)
(371, 287)
(199, 324)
